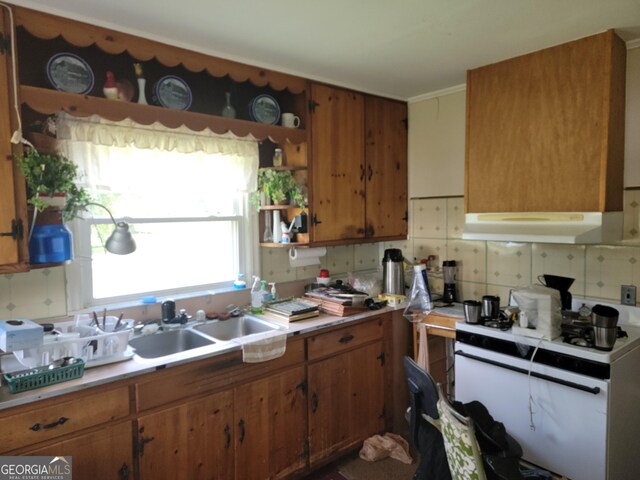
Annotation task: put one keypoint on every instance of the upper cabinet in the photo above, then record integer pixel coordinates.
(13, 248)
(358, 167)
(545, 131)
(436, 146)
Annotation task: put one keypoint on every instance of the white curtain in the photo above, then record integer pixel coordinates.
(88, 140)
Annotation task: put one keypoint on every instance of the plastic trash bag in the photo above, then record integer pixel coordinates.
(420, 303)
(388, 445)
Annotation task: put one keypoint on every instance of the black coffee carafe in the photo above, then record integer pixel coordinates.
(562, 284)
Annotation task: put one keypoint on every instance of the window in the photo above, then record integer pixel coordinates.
(187, 210)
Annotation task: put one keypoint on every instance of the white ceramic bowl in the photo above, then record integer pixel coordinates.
(323, 280)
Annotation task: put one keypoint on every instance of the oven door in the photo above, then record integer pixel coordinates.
(558, 417)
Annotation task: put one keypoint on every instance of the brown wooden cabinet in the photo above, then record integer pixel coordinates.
(13, 247)
(545, 131)
(346, 389)
(386, 164)
(103, 454)
(256, 430)
(92, 427)
(359, 166)
(190, 441)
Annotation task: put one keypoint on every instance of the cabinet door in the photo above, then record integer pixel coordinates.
(105, 454)
(346, 401)
(189, 441)
(386, 156)
(545, 131)
(9, 245)
(270, 426)
(337, 165)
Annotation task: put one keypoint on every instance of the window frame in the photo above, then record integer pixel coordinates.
(79, 272)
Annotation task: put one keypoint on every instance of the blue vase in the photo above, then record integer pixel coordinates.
(51, 244)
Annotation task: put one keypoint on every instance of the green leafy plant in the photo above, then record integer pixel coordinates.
(51, 174)
(278, 185)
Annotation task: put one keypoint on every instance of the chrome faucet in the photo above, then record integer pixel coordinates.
(181, 318)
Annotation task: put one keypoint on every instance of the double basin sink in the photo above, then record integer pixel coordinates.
(180, 340)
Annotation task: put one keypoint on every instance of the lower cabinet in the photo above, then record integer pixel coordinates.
(256, 431)
(104, 454)
(346, 391)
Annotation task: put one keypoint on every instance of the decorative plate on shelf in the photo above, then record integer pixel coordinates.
(70, 73)
(172, 92)
(264, 109)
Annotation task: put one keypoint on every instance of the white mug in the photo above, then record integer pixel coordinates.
(290, 120)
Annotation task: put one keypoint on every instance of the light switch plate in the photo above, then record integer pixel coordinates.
(628, 295)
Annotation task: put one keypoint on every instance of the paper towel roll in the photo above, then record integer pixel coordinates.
(303, 257)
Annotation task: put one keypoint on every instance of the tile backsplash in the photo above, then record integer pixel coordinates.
(487, 267)
(435, 228)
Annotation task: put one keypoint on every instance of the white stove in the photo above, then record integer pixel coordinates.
(556, 399)
(558, 345)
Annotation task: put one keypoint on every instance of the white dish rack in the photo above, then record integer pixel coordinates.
(79, 341)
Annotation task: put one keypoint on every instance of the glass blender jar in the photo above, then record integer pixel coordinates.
(449, 270)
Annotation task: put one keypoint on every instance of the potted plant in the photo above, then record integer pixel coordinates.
(52, 175)
(280, 186)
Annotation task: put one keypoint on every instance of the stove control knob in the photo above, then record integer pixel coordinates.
(577, 364)
(486, 343)
(474, 340)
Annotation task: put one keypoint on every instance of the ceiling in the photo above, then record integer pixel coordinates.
(396, 48)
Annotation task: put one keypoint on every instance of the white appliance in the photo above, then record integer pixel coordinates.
(572, 409)
(544, 227)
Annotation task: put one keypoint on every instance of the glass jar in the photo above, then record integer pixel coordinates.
(278, 157)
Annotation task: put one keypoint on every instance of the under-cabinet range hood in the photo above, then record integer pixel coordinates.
(544, 227)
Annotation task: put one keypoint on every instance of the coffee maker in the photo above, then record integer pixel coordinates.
(562, 284)
(449, 271)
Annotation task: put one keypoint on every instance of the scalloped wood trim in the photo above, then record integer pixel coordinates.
(49, 102)
(47, 27)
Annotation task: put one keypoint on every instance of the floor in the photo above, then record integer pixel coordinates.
(352, 467)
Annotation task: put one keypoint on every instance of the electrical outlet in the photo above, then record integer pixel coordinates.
(628, 295)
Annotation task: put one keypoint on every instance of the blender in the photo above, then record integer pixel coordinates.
(449, 271)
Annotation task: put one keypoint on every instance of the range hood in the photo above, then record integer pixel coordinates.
(544, 227)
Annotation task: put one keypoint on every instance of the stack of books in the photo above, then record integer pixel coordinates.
(335, 306)
(293, 309)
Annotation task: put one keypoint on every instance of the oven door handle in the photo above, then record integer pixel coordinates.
(542, 376)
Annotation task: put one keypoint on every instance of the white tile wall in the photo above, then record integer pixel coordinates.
(496, 267)
(36, 294)
(435, 228)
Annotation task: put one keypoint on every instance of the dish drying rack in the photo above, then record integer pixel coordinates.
(82, 342)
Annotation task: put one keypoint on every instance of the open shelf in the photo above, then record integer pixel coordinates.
(49, 102)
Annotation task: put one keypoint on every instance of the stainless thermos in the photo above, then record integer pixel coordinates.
(393, 272)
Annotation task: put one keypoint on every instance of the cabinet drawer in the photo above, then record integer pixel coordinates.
(334, 342)
(44, 420)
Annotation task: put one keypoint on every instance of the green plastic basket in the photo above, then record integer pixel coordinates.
(43, 376)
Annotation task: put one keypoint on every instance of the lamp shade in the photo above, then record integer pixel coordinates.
(120, 241)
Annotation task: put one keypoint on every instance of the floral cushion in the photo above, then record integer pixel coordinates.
(463, 452)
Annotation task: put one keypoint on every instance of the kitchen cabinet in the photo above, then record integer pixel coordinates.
(346, 389)
(436, 146)
(386, 168)
(93, 428)
(358, 162)
(255, 429)
(545, 131)
(104, 454)
(13, 246)
(190, 441)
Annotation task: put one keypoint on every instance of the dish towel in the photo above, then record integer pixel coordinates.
(255, 351)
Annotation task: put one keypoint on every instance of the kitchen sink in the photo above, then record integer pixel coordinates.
(168, 343)
(235, 327)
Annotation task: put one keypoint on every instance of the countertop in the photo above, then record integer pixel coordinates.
(137, 366)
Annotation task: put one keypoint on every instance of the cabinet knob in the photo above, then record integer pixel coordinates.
(314, 403)
(227, 434)
(123, 473)
(142, 442)
(16, 230)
